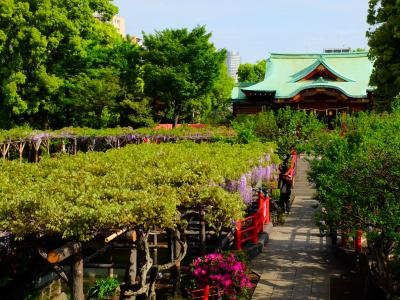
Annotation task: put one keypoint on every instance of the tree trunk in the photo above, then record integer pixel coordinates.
(176, 118)
(45, 121)
(145, 263)
(77, 279)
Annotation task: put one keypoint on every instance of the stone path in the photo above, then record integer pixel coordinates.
(296, 263)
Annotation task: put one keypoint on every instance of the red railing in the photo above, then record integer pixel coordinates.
(209, 292)
(357, 240)
(249, 228)
(170, 126)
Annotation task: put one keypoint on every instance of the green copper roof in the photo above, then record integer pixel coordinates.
(236, 93)
(284, 72)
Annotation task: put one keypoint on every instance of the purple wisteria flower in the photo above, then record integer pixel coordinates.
(245, 190)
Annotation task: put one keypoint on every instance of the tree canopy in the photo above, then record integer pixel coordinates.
(63, 64)
(60, 66)
(252, 72)
(384, 42)
(43, 43)
(180, 66)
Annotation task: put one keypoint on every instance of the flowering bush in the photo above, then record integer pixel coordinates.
(224, 271)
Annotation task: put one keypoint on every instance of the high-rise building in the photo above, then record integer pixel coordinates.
(117, 21)
(233, 62)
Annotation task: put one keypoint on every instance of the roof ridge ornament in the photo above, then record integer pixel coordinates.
(321, 80)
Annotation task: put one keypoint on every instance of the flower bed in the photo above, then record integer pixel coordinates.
(224, 271)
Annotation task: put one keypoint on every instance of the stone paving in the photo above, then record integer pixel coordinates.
(297, 262)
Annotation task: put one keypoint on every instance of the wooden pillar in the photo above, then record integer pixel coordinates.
(206, 292)
(77, 277)
(133, 262)
(111, 269)
(238, 235)
(133, 265)
(344, 239)
(63, 150)
(75, 146)
(155, 250)
(202, 232)
(267, 215)
(176, 272)
(21, 147)
(255, 227)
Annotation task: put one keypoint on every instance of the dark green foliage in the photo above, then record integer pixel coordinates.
(60, 66)
(181, 68)
(252, 73)
(287, 127)
(215, 107)
(109, 92)
(384, 42)
(43, 44)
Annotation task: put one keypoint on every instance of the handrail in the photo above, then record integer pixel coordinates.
(206, 292)
(245, 231)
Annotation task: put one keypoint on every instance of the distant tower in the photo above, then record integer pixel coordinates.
(233, 63)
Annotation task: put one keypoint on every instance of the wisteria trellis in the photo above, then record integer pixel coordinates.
(245, 184)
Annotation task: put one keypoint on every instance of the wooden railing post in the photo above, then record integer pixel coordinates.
(267, 215)
(202, 232)
(357, 241)
(344, 239)
(256, 221)
(206, 292)
(238, 235)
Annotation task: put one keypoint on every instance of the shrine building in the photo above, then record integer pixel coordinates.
(325, 83)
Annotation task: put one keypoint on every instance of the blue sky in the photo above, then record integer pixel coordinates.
(256, 27)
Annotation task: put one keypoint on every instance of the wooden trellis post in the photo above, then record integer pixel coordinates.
(36, 146)
(202, 232)
(71, 249)
(133, 263)
(175, 250)
(46, 143)
(77, 277)
(63, 150)
(21, 146)
(4, 149)
(75, 146)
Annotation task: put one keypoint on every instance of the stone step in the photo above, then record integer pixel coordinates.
(304, 187)
(296, 182)
(303, 193)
